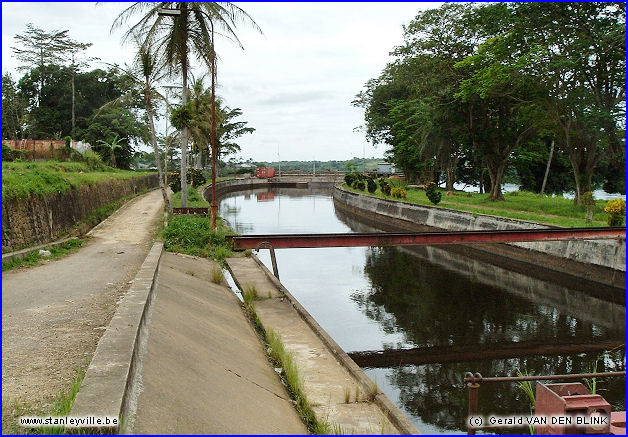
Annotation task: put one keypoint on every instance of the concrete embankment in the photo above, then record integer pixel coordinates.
(609, 254)
(301, 181)
(180, 357)
(338, 391)
(41, 219)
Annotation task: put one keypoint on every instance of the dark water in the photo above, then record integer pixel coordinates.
(371, 299)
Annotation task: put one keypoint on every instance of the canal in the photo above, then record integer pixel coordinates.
(466, 311)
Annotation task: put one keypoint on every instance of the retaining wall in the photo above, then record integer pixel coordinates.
(40, 219)
(605, 253)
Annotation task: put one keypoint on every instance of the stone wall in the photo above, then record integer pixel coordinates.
(41, 219)
(606, 253)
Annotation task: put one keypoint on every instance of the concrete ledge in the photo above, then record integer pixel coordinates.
(605, 253)
(110, 375)
(393, 413)
(22, 253)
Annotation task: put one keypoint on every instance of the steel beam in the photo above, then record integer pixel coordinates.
(284, 241)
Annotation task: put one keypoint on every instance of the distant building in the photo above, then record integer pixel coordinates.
(385, 169)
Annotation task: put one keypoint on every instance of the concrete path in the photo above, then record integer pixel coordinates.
(204, 370)
(335, 396)
(54, 314)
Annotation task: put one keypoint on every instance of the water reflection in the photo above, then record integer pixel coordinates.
(377, 298)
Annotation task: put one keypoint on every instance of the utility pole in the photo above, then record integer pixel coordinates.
(279, 160)
(549, 161)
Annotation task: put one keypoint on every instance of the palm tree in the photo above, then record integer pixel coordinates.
(177, 36)
(149, 66)
(144, 75)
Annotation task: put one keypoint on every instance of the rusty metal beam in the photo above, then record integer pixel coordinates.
(284, 241)
(443, 354)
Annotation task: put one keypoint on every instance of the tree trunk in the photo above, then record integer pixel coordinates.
(184, 101)
(496, 173)
(549, 162)
(73, 94)
(153, 138)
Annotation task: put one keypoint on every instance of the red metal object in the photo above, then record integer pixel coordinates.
(265, 172)
(618, 423)
(193, 211)
(426, 238)
(568, 407)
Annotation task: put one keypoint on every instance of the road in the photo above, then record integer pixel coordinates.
(53, 315)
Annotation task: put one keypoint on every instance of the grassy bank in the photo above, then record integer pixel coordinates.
(22, 179)
(556, 211)
(192, 234)
(34, 258)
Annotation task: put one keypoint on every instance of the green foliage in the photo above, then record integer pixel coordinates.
(432, 193)
(359, 184)
(34, 258)
(371, 186)
(350, 178)
(616, 210)
(7, 152)
(195, 200)
(194, 177)
(93, 161)
(192, 235)
(399, 193)
(181, 116)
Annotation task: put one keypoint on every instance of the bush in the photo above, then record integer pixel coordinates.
(399, 193)
(350, 179)
(7, 153)
(386, 188)
(616, 210)
(93, 160)
(359, 185)
(195, 178)
(432, 193)
(371, 186)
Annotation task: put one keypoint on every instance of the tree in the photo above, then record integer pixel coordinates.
(74, 48)
(111, 147)
(36, 48)
(13, 109)
(181, 35)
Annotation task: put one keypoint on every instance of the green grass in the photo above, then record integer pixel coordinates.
(195, 200)
(556, 211)
(34, 258)
(22, 179)
(192, 235)
(294, 382)
(61, 407)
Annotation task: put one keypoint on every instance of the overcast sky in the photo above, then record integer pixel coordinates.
(294, 83)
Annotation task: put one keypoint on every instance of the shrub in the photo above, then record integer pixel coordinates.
(371, 186)
(616, 210)
(7, 153)
(359, 185)
(195, 178)
(588, 202)
(399, 193)
(350, 179)
(432, 193)
(93, 160)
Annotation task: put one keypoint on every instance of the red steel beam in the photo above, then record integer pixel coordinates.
(284, 241)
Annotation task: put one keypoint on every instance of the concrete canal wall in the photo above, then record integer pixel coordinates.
(605, 253)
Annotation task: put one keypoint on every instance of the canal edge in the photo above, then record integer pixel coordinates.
(392, 412)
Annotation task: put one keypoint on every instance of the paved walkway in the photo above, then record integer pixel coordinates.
(54, 314)
(204, 370)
